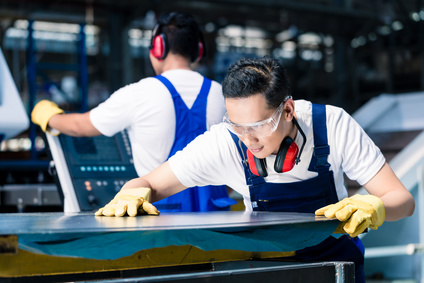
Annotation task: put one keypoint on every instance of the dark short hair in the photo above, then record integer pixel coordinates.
(182, 32)
(264, 76)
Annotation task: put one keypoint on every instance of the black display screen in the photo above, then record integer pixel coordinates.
(93, 150)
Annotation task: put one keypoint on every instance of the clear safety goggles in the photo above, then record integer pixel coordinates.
(257, 129)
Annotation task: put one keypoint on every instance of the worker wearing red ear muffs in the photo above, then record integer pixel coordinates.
(189, 122)
(161, 114)
(290, 156)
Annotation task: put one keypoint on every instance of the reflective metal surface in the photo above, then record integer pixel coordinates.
(47, 223)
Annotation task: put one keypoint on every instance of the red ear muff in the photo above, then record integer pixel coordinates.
(159, 47)
(256, 165)
(201, 52)
(284, 161)
(286, 156)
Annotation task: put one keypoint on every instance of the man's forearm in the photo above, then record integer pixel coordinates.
(162, 182)
(74, 124)
(395, 203)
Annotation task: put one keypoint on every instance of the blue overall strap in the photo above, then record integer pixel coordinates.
(251, 179)
(204, 90)
(189, 122)
(198, 110)
(168, 85)
(319, 162)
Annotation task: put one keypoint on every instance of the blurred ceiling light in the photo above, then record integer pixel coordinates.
(328, 41)
(237, 41)
(288, 34)
(358, 41)
(232, 31)
(210, 27)
(139, 38)
(222, 41)
(254, 32)
(415, 17)
(397, 25)
(384, 30)
(309, 38)
(329, 67)
(283, 36)
(311, 55)
(56, 27)
(238, 31)
(285, 54)
(258, 43)
(135, 33)
(289, 46)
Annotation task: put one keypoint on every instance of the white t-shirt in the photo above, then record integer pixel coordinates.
(213, 158)
(146, 110)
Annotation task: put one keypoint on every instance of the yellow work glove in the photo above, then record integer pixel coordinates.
(42, 113)
(129, 201)
(356, 213)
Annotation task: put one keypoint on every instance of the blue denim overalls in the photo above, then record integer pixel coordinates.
(189, 124)
(307, 196)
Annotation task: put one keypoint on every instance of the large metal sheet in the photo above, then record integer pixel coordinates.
(48, 223)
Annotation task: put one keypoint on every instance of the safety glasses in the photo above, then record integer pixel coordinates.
(257, 129)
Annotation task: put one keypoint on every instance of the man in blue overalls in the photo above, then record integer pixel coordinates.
(161, 114)
(286, 155)
(190, 122)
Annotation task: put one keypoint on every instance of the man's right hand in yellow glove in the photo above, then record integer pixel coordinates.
(42, 113)
(129, 201)
(356, 213)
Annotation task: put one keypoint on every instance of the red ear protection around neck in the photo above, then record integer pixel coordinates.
(288, 155)
(256, 165)
(284, 161)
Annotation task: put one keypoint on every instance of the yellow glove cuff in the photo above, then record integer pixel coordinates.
(135, 192)
(377, 204)
(42, 113)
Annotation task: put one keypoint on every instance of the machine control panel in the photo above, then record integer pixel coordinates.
(91, 170)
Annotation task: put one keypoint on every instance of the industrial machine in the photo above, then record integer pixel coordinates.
(90, 170)
(13, 117)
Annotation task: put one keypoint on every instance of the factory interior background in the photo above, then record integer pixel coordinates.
(364, 56)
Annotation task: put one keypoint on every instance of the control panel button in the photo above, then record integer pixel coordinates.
(92, 200)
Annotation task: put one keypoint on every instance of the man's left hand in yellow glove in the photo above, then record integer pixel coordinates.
(129, 201)
(356, 213)
(42, 113)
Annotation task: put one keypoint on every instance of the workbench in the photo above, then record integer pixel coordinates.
(80, 246)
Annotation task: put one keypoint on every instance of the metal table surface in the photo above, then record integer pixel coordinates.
(47, 244)
(50, 223)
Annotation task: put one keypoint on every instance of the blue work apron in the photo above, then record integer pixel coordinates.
(307, 196)
(189, 124)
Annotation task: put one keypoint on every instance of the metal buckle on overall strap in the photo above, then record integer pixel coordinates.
(321, 153)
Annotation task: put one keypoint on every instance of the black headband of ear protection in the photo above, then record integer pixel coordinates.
(297, 160)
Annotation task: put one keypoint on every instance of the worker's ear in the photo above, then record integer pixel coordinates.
(288, 110)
